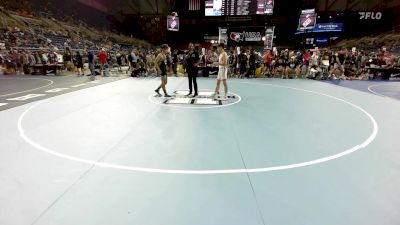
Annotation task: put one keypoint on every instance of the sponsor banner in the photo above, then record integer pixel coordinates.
(307, 21)
(328, 27)
(269, 37)
(370, 15)
(324, 27)
(223, 35)
(322, 41)
(362, 23)
(246, 36)
(173, 23)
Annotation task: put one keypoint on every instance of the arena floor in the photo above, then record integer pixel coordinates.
(278, 152)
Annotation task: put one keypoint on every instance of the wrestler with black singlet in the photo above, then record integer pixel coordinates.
(162, 62)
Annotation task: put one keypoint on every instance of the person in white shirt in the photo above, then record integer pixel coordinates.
(222, 72)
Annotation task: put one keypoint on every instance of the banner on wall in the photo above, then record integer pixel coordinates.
(324, 27)
(223, 35)
(308, 19)
(246, 36)
(269, 37)
(269, 7)
(173, 23)
(370, 15)
(322, 41)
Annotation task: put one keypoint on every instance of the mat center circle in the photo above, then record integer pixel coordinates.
(204, 99)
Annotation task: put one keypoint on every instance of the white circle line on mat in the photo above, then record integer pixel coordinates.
(34, 89)
(205, 172)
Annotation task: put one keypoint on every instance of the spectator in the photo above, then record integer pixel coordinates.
(90, 57)
(68, 59)
(104, 64)
(268, 62)
(79, 64)
(242, 63)
(45, 58)
(134, 58)
(252, 64)
(232, 63)
(175, 62)
(119, 61)
(211, 56)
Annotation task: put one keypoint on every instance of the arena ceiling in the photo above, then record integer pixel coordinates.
(354, 5)
(154, 7)
(139, 7)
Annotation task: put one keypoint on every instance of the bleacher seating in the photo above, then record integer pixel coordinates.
(390, 40)
(59, 31)
(58, 41)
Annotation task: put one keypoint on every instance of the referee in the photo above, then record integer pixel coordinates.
(192, 63)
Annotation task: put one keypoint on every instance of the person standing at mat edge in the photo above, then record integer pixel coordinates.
(193, 60)
(222, 71)
(162, 62)
(104, 64)
(90, 57)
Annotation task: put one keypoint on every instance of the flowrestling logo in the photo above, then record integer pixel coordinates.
(245, 36)
(370, 15)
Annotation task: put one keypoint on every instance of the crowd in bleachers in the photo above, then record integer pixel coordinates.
(391, 41)
(28, 40)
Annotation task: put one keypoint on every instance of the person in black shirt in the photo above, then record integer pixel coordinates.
(285, 58)
(242, 63)
(232, 63)
(162, 62)
(90, 57)
(67, 58)
(332, 60)
(252, 64)
(119, 62)
(342, 57)
(192, 63)
(79, 64)
(175, 62)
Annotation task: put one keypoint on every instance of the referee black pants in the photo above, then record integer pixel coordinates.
(192, 82)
